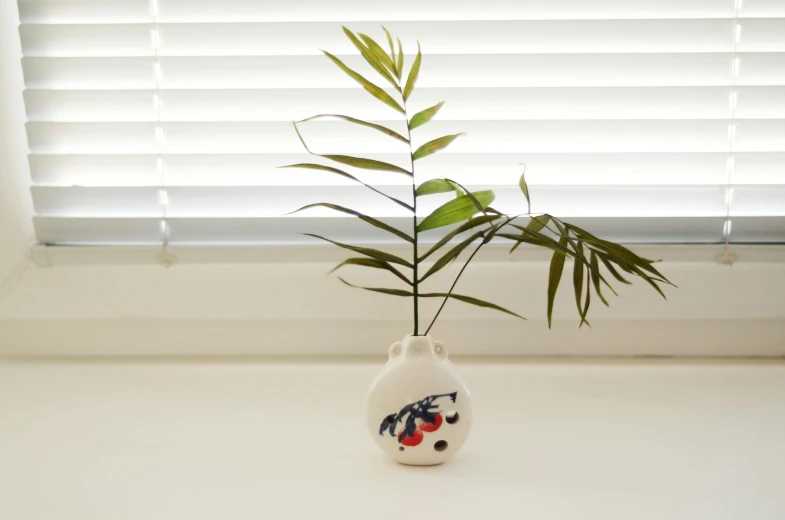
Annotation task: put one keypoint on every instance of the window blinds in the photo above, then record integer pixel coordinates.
(163, 121)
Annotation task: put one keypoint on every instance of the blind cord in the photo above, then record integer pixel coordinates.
(165, 258)
(726, 257)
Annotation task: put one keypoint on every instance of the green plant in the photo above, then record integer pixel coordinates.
(470, 212)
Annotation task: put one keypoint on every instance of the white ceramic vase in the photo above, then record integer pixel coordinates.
(419, 409)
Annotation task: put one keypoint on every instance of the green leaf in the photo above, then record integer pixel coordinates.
(619, 253)
(381, 54)
(374, 90)
(392, 50)
(649, 280)
(613, 271)
(577, 282)
(538, 222)
(371, 262)
(394, 292)
(554, 277)
(434, 186)
(420, 118)
(373, 253)
(595, 277)
(380, 128)
(564, 229)
(370, 220)
(366, 164)
(634, 269)
(473, 301)
(413, 74)
(434, 146)
(544, 240)
(313, 166)
(357, 162)
(643, 263)
(400, 59)
(535, 226)
(376, 61)
(451, 255)
(525, 189)
(455, 211)
(519, 239)
(623, 254)
(461, 190)
(477, 221)
(588, 301)
(577, 279)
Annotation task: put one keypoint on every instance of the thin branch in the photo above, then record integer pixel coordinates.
(485, 240)
(454, 283)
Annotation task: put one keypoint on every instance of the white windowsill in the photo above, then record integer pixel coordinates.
(605, 441)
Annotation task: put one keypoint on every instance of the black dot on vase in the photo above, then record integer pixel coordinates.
(390, 418)
(452, 417)
(400, 448)
(440, 445)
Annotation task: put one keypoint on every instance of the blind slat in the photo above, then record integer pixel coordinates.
(521, 70)
(97, 11)
(464, 103)
(476, 37)
(469, 37)
(119, 11)
(261, 169)
(219, 231)
(274, 201)
(486, 137)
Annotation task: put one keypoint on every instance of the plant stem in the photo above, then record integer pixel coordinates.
(415, 261)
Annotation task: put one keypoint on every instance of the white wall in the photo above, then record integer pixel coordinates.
(16, 233)
(288, 305)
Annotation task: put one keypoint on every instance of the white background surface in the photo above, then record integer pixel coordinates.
(86, 440)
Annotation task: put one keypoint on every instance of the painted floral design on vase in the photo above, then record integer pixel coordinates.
(419, 409)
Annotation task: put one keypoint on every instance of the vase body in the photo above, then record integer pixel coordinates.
(418, 408)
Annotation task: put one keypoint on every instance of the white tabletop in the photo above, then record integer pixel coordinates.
(276, 440)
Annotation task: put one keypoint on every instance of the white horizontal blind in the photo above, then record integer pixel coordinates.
(163, 121)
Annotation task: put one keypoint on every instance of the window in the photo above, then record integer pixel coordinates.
(163, 121)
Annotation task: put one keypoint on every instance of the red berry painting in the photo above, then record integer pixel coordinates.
(431, 427)
(417, 418)
(413, 440)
